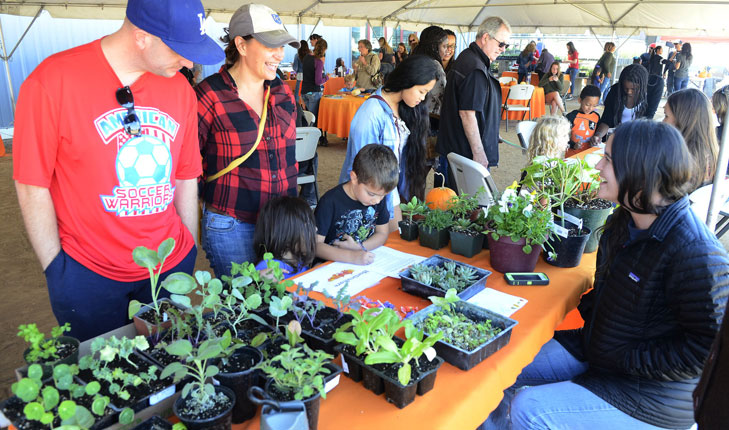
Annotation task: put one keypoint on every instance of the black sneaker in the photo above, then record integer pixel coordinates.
(323, 141)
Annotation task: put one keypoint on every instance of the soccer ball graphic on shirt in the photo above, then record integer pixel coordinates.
(142, 161)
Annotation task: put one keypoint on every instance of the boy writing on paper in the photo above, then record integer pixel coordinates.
(352, 218)
(584, 121)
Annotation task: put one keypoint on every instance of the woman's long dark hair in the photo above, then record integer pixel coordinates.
(638, 75)
(648, 158)
(686, 50)
(412, 71)
(303, 50)
(570, 48)
(286, 224)
(430, 41)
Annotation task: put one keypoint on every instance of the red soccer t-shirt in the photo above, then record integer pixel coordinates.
(111, 192)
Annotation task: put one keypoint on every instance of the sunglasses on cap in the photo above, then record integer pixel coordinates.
(131, 121)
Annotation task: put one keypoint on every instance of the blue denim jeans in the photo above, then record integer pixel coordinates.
(94, 304)
(311, 101)
(604, 89)
(573, 77)
(544, 397)
(225, 240)
(679, 83)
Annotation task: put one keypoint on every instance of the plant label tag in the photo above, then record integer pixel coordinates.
(164, 317)
(158, 397)
(399, 230)
(558, 230)
(345, 367)
(329, 386)
(4, 422)
(214, 381)
(571, 218)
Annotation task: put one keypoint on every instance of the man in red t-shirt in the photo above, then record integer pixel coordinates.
(105, 160)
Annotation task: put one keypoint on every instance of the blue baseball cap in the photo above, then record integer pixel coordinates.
(181, 26)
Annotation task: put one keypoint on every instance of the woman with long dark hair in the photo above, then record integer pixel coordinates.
(401, 53)
(691, 113)
(573, 57)
(625, 101)
(524, 61)
(298, 66)
(553, 83)
(448, 59)
(312, 87)
(396, 117)
(682, 63)
(661, 288)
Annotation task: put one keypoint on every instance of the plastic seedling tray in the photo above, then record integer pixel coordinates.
(416, 288)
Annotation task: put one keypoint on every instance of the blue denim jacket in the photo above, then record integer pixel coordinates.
(373, 123)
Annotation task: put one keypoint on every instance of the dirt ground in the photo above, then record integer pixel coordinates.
(24, 294)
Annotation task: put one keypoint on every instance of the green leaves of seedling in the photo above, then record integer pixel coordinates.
(126, 416)
(279, 306)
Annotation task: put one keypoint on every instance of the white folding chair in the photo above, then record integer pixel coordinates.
(518, 93)
(306, 142)
(470, 177)
(309, 117)
(700, 199)
(524, 131)
(506, 80)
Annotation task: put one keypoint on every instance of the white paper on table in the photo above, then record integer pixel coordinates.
(390, 262)
(333, 277)
(496, 301)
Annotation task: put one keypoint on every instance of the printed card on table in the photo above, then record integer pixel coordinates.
(496, 301)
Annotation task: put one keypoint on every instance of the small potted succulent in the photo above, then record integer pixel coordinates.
(49, 352)
(433, 231)
(436, 275)
(408, 226)
(517, 227)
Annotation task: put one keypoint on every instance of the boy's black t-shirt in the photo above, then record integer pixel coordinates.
(337, 214)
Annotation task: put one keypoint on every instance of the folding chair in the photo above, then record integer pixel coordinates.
(470, 177)
(700, 204)
(309, 117)
(506, 80)
(518, 93)
(524, 132)
(307, 139)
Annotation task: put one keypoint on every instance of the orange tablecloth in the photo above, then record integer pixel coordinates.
(460, 400)
(330, 87)
(335, 114)
(536, 105)
(292, 85)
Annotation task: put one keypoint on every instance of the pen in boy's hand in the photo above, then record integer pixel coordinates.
(361, 245)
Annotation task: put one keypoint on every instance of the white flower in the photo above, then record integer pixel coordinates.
(528, 210)
(503, 208)
(508, 194)
(524, 192)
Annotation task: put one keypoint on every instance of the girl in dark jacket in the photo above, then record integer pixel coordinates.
(661, 286)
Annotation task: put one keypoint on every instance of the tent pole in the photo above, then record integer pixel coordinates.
(6, 60)
(719, 177)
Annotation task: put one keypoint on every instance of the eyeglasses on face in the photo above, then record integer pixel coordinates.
(501, 44)
(131, 121)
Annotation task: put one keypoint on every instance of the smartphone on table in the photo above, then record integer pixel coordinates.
(526, 278)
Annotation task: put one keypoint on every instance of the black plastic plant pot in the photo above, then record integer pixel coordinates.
(311, 404)
(592, 219)
(569, 250)
(466, 244)
(462, 358)
(71, 358)
(485, 240)
(402, 395)
(416, 288)
(240, 380)
(351, 364)
(432, 238)
(220, 421)
(146, 328)
(408, 230)
(154, 422)
(372, 380)
(317, 340)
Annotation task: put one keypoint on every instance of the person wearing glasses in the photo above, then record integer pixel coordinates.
(451, 50)
(247, 161)
(471, 110)
(105, 160)
(412, 41)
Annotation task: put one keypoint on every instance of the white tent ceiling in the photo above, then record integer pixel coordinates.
(654, 17)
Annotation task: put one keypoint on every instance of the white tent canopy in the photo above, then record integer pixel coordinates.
(623, 17)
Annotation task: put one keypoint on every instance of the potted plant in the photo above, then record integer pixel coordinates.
(409, 227)
(587, 206)
(470, 333)
(436, 275)
(202, 405)
(517, 226)
(60, 401)
(433, 230)
(49, 352)
(153, 316)
(557, 181)
(298, 373)
(466, 238)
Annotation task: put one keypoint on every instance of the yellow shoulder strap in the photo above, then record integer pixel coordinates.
(238, 161)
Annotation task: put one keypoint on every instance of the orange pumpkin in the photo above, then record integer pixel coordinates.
(440, 198)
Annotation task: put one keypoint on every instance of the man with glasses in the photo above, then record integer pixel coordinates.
(106, 159)
(471, 111)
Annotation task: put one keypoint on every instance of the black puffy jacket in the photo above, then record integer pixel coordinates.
(651, 318)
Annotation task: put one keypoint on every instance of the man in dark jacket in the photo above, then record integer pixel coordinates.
(471, 110)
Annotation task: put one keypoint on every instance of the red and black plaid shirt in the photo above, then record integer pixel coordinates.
(227, 129)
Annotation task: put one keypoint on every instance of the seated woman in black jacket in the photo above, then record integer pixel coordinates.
(661, 287)
(625, 102)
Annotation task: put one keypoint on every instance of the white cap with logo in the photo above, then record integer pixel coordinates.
(261, 22)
